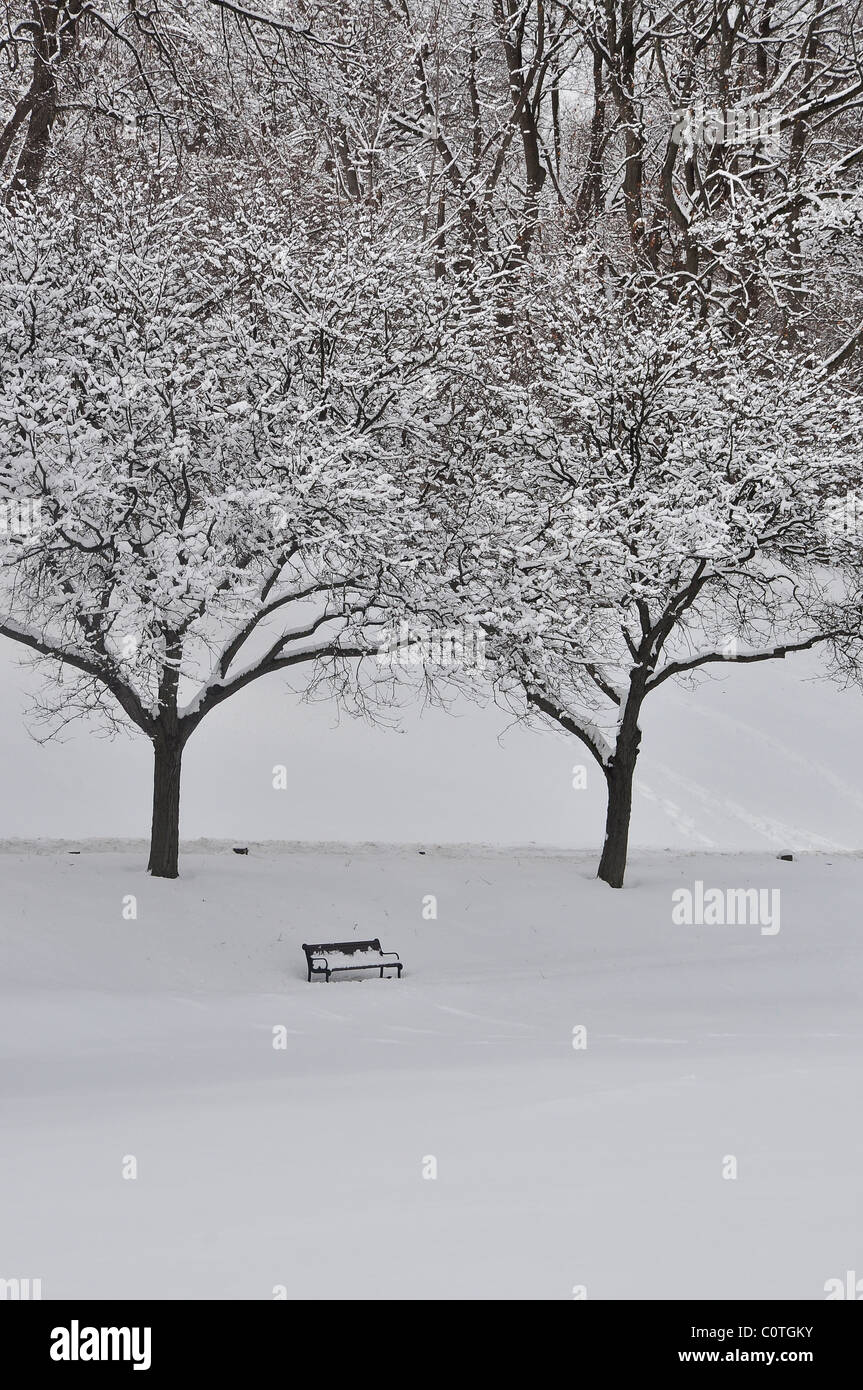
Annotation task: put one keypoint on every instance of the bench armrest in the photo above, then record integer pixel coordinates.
(391, 953)
(313, 958)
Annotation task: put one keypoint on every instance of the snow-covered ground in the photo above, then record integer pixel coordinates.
(303, 1166)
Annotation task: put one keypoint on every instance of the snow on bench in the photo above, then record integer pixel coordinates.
(330, 958)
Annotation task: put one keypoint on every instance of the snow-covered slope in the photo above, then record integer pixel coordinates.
(303, 1166)
(760, 756)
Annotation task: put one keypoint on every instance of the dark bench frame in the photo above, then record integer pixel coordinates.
(316, 958)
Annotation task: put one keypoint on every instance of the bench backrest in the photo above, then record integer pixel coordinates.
(344, 948)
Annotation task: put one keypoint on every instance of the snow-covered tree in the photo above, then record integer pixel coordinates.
(222, 422)
(178, 76)
(659, 503)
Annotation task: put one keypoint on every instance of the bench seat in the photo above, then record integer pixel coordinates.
(339, 957)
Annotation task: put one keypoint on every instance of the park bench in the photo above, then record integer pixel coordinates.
(331, 958)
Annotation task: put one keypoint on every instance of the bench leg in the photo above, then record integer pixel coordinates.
(328, 977)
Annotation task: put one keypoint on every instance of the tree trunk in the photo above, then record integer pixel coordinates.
(54, 30)
(612, 865)
(165, 834)
(590, 193)
(619, 777)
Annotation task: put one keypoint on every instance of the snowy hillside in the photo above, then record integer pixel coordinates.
(758, 757)
(302, 1167)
